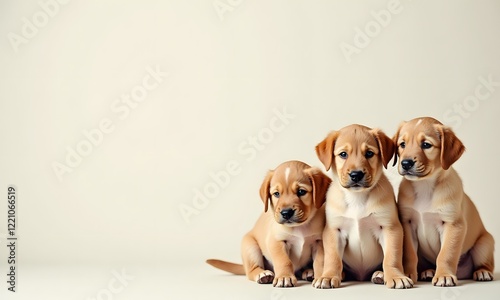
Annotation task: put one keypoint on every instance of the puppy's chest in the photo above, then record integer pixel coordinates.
(427, 222)
(423, 212)
(361, 235)
(300, 244)
(356, 220)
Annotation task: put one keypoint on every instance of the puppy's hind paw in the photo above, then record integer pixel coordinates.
(427, 275)
(308, 275)
(265, 277)
(378, 277)
(482, 275)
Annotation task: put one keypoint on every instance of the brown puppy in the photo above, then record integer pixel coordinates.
(362, 231)
(287, 238)
(442, 226)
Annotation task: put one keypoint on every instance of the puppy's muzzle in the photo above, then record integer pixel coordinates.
(290, 217)
(410, 168)
(357, 180)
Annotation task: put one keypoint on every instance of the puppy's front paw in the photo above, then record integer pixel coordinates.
(427, 275)
(285, 281)
(444, 280)
(482, 275)
(265, 277)
(327, 282)
(308, 275)
(399, 282)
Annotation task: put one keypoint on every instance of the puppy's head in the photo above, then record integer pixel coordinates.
(356, 154)
(295, 191)
(424, 146)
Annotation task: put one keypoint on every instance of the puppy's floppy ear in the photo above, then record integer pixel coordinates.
(451, 147)
(395, 141)
(385, 145)
(320, 183)
(265, 195)
(324, 149)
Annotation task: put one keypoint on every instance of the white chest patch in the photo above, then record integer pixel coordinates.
(300, 243)
(362, 236)
(297, 252)
(429, 226)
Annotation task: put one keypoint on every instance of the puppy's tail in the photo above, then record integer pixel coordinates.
(236, 269)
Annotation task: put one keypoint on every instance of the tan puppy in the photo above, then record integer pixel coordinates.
(363, 231)
(441, 223)
(286, 238)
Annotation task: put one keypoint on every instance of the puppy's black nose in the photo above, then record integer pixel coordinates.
(407, 164)
(356, 176)
(287, 213)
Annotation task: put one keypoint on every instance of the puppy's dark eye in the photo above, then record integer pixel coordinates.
(301, 192)
(402, 145)
(276, 194)
(369, 154)
(426, 145)
(343, 154)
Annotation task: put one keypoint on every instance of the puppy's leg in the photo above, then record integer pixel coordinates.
(392, 245)
(283, 266)
(447, 260)
(253, 261)
(482, 255)
(410, 244)
(333, 245)
(410, 241)
(318, 259)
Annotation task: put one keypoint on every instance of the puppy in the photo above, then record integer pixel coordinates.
(286, 239)
(362, 231)
(443, 230)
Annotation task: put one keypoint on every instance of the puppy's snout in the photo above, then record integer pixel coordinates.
(287, 213)
(407, 164)
(356, 176)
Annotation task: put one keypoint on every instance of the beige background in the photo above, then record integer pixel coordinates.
(231, 65)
